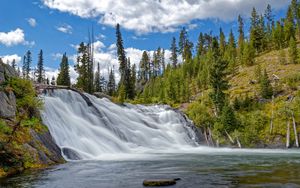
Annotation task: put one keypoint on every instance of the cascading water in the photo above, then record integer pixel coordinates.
(86, 127)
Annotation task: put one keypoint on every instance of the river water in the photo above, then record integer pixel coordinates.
(120, 146)
(208, 168)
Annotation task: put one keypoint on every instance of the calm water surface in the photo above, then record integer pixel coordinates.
(212, 169)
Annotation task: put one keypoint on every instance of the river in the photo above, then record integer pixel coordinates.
(208, 168)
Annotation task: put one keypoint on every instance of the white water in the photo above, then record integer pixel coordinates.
(104, 128)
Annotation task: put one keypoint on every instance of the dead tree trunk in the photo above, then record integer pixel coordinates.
(210, 137)
(230, 138)
(288, 134)
(272, 116)
(205, 135)
(238, 143)
(295, 130)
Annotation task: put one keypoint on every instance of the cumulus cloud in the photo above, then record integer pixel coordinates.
(159, 15)
(12, 38)
(31, 22)
(10, 58)
(15, 37)
(65, 28)
(50, 72)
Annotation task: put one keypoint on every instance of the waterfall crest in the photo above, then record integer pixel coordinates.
(85, 127)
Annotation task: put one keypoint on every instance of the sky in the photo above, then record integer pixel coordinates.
(58, 26)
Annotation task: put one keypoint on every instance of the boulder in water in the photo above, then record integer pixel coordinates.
(71, 154)
(159, 182)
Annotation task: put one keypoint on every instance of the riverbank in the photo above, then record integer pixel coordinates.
(25, 142)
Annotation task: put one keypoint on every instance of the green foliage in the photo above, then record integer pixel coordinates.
(27, 61)
(26, 96)
(199, 112)
(293, 53)
(253, 125)
(217, 79)
(40, 68)
(248, 54)
(293, 81)
(228, 119)
(266, 89)
(63, 77)
(4, 128)
(84, 68)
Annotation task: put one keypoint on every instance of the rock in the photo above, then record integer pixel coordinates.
(7, 105)
(6, 71)
(53, 155)
(71, 154)
(159, 182)
(102, 95)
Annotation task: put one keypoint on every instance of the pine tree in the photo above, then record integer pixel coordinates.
(248, 54)
(53, 81)
(40, 68)
(127, 81)
(230, 51)
(97, 84)
(241, 37)
(63, 77)
(173, 57)
(289, 26)
(82, 67)
(270, 19)
(163, 61)
(228, 119)
(182, 42)
(13, 64)
(278, 36)
(200, 45)
(222, 42)
(111, 85)
(26, 65)
(122, 93)
(144, 67)
(266, 89)
(293, 53)
(121, 54)
(295, 6)
(133, 81)
(256, 31)
(218, 81)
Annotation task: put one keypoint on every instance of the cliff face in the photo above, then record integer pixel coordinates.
(24, 143)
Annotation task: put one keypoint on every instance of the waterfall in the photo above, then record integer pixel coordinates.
(86, 127)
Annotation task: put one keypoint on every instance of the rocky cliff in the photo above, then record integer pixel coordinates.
(24, 141)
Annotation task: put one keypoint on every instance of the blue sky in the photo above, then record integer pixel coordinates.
(56, 26)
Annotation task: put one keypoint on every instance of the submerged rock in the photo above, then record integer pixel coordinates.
(159, 182)
(71, 154)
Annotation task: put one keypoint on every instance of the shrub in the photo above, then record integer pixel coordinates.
(26, 96)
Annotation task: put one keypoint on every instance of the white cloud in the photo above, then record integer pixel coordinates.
(56, 56)
(15, 37)
(31, 22)
(100, 36)
(65, 28)
(30, 44)
(12, 38)
(159, 15)
(50, 72)
(10, 58)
